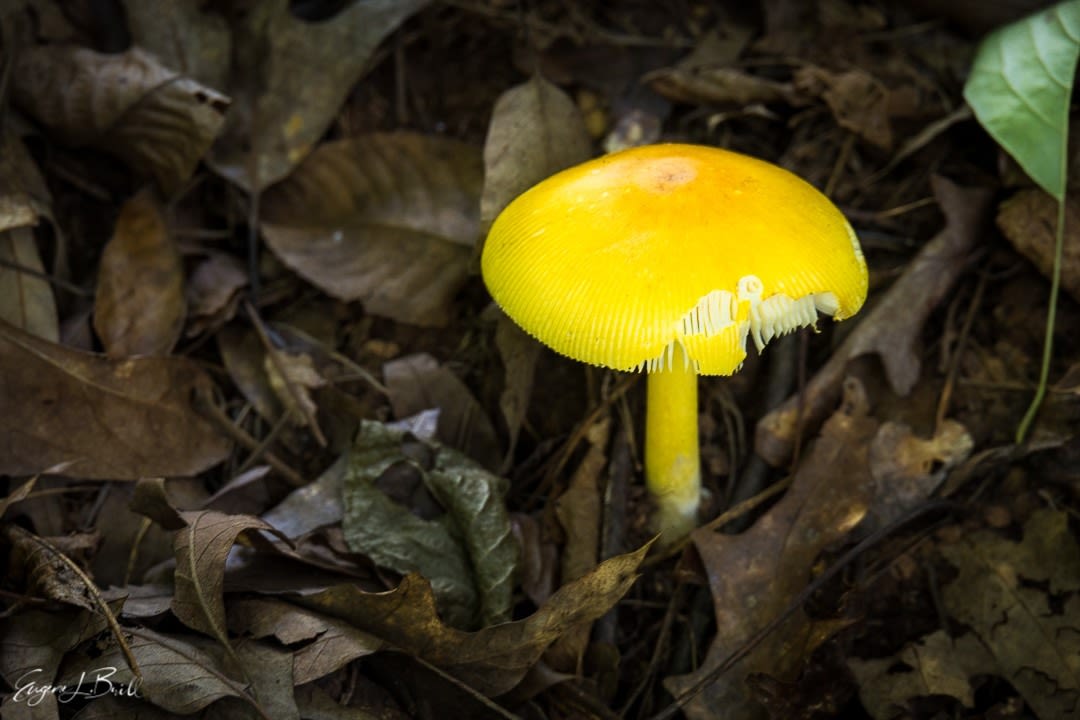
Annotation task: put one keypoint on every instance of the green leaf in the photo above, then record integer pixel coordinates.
(1020, 86)
(468, 554)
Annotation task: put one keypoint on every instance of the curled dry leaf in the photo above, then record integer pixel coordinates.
(129, 104)
(1032, 631)
(201, 550)
(1029, 220)
(418, 382)
(536, 130)
(385, 219)
(26, 300)
(139, 307)
(112, 419)
(492, 660)
(295, 76)
(891, 328)
(754, 576)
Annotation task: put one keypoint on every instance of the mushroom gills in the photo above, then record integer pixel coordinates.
(760, 319)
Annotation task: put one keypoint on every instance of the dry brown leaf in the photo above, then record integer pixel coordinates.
(417, 382)
(33, 642)
(177, 674)
(244, 356)
(202, 51)
(906, 469)
(213, 292)
(935, 665)
(293, 376)
(201, 550)
(858, 101)
(755, 575)
(129, 104)
(270, 671)
(112, 419)
(294, 76)
(494, 659)
(1029, 220)
(891, 328)
(1032, 632)
(329, 643)
(26, 300)
(536, 130)
(139, 307)
(581, 511)
(389, 220)
(519, 354)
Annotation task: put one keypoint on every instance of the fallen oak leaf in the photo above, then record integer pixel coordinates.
(891, 328)
(112, 419)
(755, 575)
(492, 660)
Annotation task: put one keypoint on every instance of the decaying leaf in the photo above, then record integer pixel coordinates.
(112, 419)
(1029, 220)
(293, 377)
(33, 642)
(492, 660)
(935, 665)
(245, 360)
(1034, 638)
(295, 76)
(469, 554)
(906, 469)
(129, 104)
(139, 308)
(415, 383)
(536, 130)
(755, 575)
(329, 643)
(315, 505)
(891, 328)
(389, 220)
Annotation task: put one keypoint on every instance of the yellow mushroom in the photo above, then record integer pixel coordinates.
(666, 258)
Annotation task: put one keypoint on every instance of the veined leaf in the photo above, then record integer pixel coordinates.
(1020, 86)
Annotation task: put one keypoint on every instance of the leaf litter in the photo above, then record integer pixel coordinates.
(323, 475)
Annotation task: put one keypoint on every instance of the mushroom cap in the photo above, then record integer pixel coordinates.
(613, 261)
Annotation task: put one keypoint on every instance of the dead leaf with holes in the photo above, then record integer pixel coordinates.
(139, 308)
(387, 219)
(890, 327)
(158, 121)
(292, 78)
(111, 419)
(755, 575)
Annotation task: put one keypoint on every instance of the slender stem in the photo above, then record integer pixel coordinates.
(1051, 318)
(672, 459)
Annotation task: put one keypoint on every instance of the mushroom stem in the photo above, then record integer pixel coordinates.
(672, 459)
